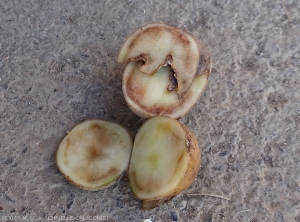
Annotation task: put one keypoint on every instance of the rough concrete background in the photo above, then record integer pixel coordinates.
(57, 67)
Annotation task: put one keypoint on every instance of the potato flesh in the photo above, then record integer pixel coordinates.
(160, 44)
(94, 154)
(147, 95)
(159, 158)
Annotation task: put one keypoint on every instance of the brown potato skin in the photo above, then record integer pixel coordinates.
(194, 162)
(189, 176)
(150, 204)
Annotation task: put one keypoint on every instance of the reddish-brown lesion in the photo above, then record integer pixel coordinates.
(135, 90)
(144, 57)
(156, 109)
(180, 36)
(151, 32)
(101, 136)
(154, 33)
(177, 84)
(95, 152)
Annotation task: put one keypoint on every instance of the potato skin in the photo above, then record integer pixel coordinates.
(194, 162)
(189, 176)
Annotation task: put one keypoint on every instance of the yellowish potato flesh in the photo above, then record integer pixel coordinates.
(94, 154)
(148, 95)
(160, 165)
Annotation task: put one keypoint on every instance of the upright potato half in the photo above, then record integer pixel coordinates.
(167, 70)
(165, 161)
(94, 154)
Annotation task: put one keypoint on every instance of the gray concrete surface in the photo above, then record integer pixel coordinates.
(57, 67)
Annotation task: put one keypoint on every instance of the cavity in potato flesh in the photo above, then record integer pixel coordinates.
(160, 159)
(148, 95)
(158, 45)
(94, 154)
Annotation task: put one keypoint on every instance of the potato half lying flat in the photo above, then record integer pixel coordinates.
(94, 154)
(165, 161)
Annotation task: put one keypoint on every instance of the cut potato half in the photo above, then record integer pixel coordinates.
(159, 45)
(167, 70)
(148, 96)
(94, 154)
(165, 161)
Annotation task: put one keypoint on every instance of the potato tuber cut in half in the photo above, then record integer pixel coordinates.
(186, 59)
(165, 161)
(94, 154)
(148, 95)
(159, 45)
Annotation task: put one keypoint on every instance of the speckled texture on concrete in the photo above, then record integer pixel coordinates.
(57, 67)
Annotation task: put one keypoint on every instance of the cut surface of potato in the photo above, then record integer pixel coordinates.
(167, 70)
(94, 154)
(158, 45)
(165, 160)
(148, 95)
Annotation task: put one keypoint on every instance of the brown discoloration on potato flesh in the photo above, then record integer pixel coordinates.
(145, 186)
(101, 136)
(136, 92)
(180, 36)
(204, 67)
(66, 151)
(134, 178)
(165, 109)
(152, 185)
(144, 57)
(153, 32)
(92, 178)
(95, 152)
